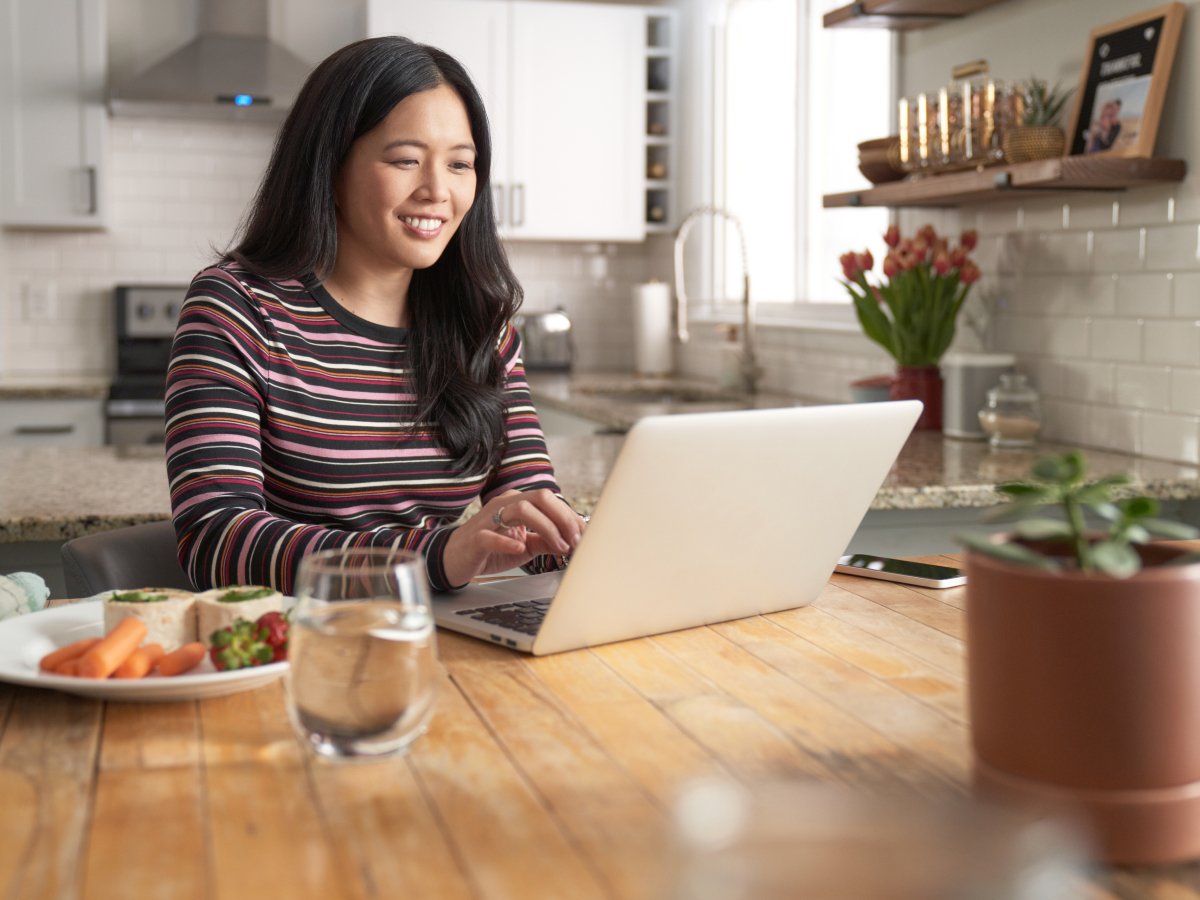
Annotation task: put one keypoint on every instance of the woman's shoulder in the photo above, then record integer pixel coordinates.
(231, 286)
(231, 278)
(508, 346)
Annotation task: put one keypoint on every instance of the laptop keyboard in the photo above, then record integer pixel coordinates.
(524, 616)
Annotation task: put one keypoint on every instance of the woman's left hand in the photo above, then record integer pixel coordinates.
(509, 531)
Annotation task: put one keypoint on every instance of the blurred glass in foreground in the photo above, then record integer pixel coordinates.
(815, 841)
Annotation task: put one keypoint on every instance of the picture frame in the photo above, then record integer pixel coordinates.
(1124, 82)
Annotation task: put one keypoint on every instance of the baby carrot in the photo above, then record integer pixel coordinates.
(51, 660)
(114, 649)
(179, 661)
(69, 668)
(140, 661)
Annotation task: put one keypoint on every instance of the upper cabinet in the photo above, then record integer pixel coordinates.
(565, 88)
(53, 126)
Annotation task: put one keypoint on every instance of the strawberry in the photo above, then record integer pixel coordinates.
(273, 629)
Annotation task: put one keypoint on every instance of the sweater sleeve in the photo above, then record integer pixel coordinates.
(217, 390)
(526, 464)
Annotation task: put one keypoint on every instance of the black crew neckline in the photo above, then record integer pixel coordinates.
(388, 334)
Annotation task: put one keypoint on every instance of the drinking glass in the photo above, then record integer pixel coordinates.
(362, 677)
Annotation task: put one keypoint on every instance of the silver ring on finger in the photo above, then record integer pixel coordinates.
(498, 518)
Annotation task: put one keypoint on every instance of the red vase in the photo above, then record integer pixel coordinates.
(922, 383)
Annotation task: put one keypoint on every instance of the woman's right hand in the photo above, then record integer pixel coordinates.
(510, 530)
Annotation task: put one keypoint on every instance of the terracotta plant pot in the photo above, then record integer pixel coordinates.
(922, 383)
(1085, 692)
(1028, 142)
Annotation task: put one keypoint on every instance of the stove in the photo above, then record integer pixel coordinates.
(145, 319)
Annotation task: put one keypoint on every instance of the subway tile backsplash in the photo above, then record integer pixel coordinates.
(1098, 295)
(177, 191)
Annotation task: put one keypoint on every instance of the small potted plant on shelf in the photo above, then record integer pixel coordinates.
(1038, 134)
(1083, 663)
(912, 311)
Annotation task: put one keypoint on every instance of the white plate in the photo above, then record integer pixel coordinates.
(24, 640)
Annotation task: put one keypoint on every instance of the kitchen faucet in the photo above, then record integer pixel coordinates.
(748, 369)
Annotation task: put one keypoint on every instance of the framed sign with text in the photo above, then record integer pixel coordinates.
(1124, 82)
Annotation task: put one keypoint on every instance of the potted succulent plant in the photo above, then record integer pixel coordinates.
(1038, 136)
(1083, 663)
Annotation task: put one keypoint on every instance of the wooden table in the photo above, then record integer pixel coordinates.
(550, 777)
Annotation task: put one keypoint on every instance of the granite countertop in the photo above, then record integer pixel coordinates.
(53, 387)
(618, 399)
(54, 494)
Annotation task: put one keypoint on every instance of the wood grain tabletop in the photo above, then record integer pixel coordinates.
(546, 777)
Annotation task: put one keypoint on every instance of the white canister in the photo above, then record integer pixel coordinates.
(966, 378)
(652, 349)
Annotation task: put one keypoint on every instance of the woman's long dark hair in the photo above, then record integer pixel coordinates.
(458, 306)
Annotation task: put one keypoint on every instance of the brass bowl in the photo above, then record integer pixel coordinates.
(875, 160)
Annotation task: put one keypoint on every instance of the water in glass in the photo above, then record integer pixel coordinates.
(363, 668)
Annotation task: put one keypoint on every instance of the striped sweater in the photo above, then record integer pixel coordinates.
(289, 431)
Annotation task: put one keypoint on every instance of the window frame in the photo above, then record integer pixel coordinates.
(801, 311)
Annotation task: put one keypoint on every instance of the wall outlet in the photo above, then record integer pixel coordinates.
(39, 301)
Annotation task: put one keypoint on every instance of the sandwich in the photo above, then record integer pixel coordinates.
(168, 614)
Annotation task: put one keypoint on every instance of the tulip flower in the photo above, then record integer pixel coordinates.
(911, 313)
(850, 267)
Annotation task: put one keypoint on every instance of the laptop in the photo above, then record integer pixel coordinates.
(705, 517)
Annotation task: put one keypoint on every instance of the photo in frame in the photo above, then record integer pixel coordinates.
(1124, 82)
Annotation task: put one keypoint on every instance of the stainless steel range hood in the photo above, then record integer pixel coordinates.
(231, 70)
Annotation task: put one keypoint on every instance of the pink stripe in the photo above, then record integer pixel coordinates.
(339, 453)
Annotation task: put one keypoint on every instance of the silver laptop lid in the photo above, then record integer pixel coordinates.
(713, 516)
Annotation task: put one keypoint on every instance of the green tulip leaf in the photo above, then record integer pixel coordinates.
(1108, 511)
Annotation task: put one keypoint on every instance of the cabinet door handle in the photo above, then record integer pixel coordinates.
(498, 201)
(92, 201)
(518, 192)
(43, 429)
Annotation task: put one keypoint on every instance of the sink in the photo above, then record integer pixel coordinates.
(661, 394)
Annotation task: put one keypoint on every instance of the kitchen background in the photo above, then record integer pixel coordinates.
(1097, 294)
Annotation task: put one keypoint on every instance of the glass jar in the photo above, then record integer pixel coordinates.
(1013, 415)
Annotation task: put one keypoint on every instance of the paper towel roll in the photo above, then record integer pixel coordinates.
(652, 328)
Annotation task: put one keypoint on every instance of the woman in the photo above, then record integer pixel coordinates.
(347, 375)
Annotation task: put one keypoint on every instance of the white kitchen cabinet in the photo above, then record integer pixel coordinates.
(564, 85)
(53, 125)
(68, 422)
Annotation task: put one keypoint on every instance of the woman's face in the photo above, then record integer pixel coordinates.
(406, 184)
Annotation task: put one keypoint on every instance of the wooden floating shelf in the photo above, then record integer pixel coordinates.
(1064, 173)
(902, 15)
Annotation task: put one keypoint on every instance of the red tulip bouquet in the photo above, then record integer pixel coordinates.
(911, 313)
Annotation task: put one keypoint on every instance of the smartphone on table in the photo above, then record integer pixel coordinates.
(901, 570)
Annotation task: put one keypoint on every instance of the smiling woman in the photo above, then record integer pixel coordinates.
(347, 375)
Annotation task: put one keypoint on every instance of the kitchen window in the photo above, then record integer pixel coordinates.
(791, 103)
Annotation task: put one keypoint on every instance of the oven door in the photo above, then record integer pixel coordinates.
(135, 423)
